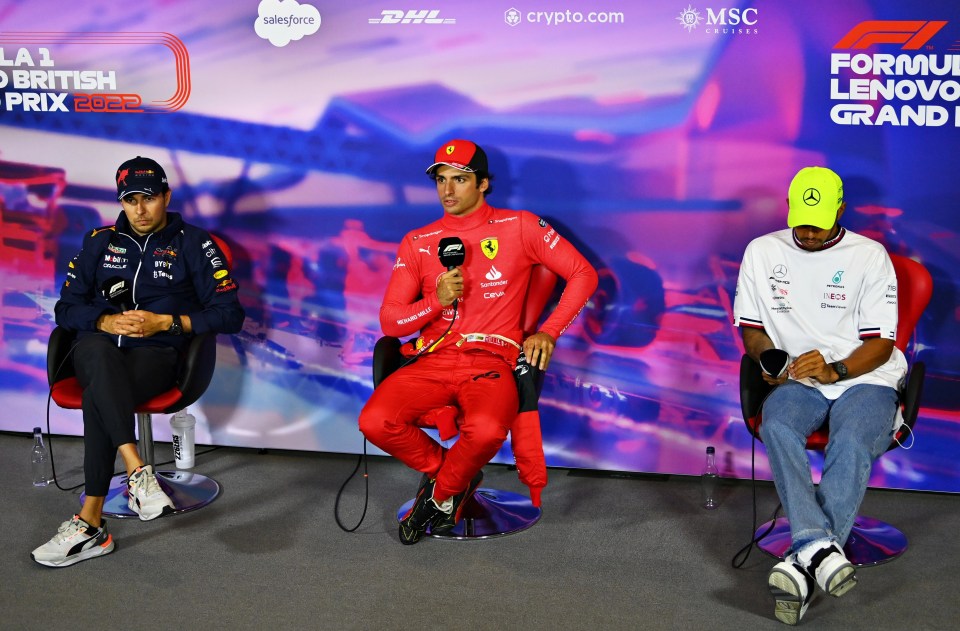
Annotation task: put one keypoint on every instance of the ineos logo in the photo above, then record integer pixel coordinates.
(811, 197)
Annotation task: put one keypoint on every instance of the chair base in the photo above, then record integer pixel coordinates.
(490, 513)
(871, 541)
(189, 491)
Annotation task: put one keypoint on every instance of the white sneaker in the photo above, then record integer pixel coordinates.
(829, 566)
(793, 588)
(75, 541)
(145, 497)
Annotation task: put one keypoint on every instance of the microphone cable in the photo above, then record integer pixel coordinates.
(362, 459)
(53, 466)
(366, 491)
(745, 550)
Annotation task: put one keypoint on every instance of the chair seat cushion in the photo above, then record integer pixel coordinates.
(68, 394)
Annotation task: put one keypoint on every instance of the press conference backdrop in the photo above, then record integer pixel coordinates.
(659, 136)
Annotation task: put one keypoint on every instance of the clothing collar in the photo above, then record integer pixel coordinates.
(477, 218)
(826, 244)
(174, 225)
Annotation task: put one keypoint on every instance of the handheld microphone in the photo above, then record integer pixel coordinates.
(117, 292)
(452, 252)
(774, 361)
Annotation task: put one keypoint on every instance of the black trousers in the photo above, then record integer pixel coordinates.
(115, 380)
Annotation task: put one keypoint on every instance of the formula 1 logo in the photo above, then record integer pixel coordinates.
(913, 34)
(43, 69)
(413, 16)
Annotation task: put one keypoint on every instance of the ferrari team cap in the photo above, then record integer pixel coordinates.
(815, 195)
(460, 154)
(141, 175)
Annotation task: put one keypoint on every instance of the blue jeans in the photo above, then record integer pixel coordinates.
(861, 428)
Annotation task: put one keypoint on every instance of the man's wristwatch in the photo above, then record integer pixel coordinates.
(841, 369)
(176, 328)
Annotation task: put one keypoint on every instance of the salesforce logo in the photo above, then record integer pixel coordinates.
(282, 21)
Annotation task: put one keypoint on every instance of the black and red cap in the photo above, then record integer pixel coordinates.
(460, 154)
(141, 175)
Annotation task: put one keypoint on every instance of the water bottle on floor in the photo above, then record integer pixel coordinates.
(708, 481)
(40, 460)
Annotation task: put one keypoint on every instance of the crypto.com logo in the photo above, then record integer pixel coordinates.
(413, 16)
(911, 33)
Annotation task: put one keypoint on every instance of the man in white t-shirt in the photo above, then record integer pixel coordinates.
(828, 298)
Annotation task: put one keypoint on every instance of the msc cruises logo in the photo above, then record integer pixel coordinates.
(690, 18)
(726, 20)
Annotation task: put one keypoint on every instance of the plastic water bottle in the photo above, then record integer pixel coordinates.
(40, 460)
(182, 429)
(708, 481)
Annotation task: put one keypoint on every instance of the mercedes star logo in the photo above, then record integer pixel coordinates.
(780, 271)
(811, 197)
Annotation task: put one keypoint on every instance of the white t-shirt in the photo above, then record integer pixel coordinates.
(829, 300)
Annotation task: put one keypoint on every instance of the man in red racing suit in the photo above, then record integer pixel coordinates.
(470, 334)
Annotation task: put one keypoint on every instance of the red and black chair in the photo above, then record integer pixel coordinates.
(491, 512)
(188, 490)
(871, 541)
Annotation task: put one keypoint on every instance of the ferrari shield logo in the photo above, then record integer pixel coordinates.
(490, 246)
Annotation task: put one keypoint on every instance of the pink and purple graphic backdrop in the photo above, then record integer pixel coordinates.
(658, 136)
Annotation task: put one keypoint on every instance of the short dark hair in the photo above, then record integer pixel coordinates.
(485, 175)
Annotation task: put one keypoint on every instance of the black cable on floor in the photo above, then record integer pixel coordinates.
(745, 550)
(53, 467)
(366, 491)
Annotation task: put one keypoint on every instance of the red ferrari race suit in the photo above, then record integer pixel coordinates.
(472, 365)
